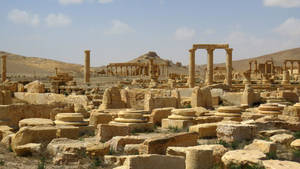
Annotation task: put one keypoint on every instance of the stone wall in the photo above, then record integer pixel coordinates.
(46, 98)
(11, 114)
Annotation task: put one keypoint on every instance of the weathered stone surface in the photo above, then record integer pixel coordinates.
(239, 157)
(112, 99)
(28, 149)
(199, 159)
(35, 87)
(99, 118)
(4, 131)
(160, 113)
(218, 151)
(66, 150)
(262, 145)
(115, 159)
(201, 97)
(277, 164)
(35, 122)
(74, 119)
(37, 134)
(282, 138)
(158, 145)
(118, 143)
(131, 149)
(98, 150)
(205, 130)
(107, 131)
(296, 144)
(152, 102)
(70, 132)
(153, 161)
(235, 132)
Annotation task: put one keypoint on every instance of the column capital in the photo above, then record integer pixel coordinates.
(229, 50)
(209, 50)
(192, 50)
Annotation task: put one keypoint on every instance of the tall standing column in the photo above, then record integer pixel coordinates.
(298, 68)
(284, 66)
(250, 64)
(87, 66)
(292, 68)
(3, 67)
(192, 68)
(229, 67)
(210, 66)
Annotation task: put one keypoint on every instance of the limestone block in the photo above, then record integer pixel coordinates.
(64, 145)
(4, 131)
(199, 159)
(159, 144)
(235, 132)
(160, 113)
(208, 119)
(115, 160)
(28, 149)
(70, 132)
(250, 157)
(154, 161)
(99, 118)
(217, 149)
(35, 122)
(35, 87)
(6, 141)
(180, 124)
(118, 143)
(131, 149)
(37, 134)
(282, 138)
(201, 97)
(262, 145)
(205, 130)
(107, 131)
(277, 164)
(98, 150)
(296, 144)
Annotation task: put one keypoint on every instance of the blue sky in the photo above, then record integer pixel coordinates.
(120, 30)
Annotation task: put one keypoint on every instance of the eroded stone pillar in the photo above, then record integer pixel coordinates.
(192, 68)
(87, 66)
(229, 67)
(3, 68)
(210, 66)
(292, 68)
(298, 68)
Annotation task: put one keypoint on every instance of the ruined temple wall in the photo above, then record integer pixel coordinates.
(11, 114)
(46, 98)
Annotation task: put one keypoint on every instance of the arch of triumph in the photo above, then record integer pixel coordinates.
(210, 63)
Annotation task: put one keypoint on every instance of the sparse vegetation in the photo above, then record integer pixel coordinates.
(2, 162)
(42, 163)
(297, 135)
(296, 153)
(174, 129)
(95, 163)
(272, 156)
(111, 151)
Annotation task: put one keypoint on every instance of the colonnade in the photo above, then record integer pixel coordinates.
(210, 59)
(292, 65)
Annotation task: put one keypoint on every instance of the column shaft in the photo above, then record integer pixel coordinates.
(87, 66)
(192, 68)
(210, 66)
(229, 67)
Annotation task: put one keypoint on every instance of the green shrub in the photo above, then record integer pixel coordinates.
(41, 164)
(297, 135)
(2, 162)
(272, 156)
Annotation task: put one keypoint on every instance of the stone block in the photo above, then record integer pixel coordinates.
(118, 143)
(235, 132)
(70, 132)
(107, 131)
(99, 118)
(180, 124)
(205, 130)
(154, 161)
(262, 145)
(239, 157)
(28, 149)
(159, 144)
(160, 113)
(199, 159)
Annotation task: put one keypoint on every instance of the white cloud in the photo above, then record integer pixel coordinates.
(282, 3)
(66, 2)
(290, 27)
(184, 33)
(209, 32)
(58, 20)
(119, 27)
(23, 17)
(105, 1)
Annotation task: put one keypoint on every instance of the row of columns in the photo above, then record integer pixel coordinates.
(210, 65)
(136, 70)
(292, 66)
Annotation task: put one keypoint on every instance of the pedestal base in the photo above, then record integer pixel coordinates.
(179, 124)
(135, 127)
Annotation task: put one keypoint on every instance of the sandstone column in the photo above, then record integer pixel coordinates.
(87, 66)
(250, 66)
(286, 77)
(292, 68)
(3, 67)
(284, 66)
(229, 67)
(210, 66)
(266, 68)
(256, 67)
(298, 68)
(192, 68)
